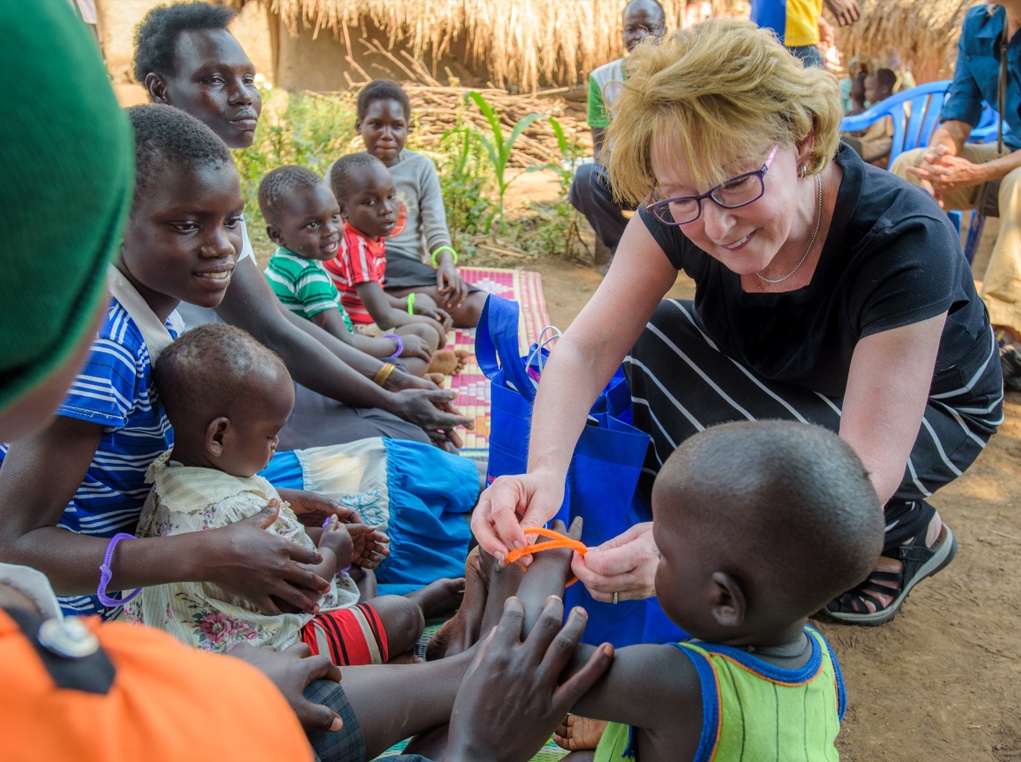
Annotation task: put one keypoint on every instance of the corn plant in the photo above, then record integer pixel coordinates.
(499, 149)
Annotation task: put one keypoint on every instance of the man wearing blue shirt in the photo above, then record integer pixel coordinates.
(952, 170)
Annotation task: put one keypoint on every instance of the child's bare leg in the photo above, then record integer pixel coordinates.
(439, 598)
(486, 589)
(458, 633)
(366, 581)
(465, 315)
(402, 621)
(393, 702)
(449, 362)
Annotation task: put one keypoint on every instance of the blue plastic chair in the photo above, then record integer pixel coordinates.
(910, 130)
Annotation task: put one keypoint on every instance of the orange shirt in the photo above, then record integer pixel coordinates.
(166, 702)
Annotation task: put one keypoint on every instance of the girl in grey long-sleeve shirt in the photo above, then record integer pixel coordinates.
(383, 114)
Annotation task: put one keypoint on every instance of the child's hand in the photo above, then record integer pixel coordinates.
(450, 284)
(369, 545)
(336, 538)
(425, 306)
(416, 346)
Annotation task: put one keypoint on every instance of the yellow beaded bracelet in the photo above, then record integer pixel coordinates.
(453, 254)
(411, 303)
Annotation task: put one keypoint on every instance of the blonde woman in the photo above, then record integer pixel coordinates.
(827, 291)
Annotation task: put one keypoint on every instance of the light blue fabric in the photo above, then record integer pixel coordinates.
(431, 494)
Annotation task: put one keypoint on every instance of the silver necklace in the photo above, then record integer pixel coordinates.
(818, 223)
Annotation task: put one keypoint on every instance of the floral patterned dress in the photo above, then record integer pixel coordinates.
(201, 614)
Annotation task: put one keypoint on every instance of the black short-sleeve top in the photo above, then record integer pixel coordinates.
(891, 258)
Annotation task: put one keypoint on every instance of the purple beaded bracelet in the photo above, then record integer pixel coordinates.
(105, 573)
(400, 344)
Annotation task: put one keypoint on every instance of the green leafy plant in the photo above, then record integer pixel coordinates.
(499, 149)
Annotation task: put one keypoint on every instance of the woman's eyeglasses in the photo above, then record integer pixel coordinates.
(730, 194)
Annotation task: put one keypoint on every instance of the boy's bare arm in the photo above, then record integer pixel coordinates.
(654, 688)
(377, 302)
(333, 323)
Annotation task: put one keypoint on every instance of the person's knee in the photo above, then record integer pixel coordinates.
(424, 332)
(907, 159)
(402, 620)
(581, 186)
(472, 308)
(1010, 196)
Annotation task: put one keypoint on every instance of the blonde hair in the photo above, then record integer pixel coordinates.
(720, 90)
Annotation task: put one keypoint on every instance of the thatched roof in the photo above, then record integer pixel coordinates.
(519, 43)
(923, 34)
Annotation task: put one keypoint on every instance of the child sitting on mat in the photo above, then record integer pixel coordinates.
(303, 220)
(227, 397)
(758, 525)
(383, 116)
(368, 204)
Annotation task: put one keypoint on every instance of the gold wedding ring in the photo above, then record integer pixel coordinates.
(615, 597)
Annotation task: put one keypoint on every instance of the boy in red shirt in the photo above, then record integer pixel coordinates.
(368, 203)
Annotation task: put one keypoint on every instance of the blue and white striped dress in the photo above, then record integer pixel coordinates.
(114, 389)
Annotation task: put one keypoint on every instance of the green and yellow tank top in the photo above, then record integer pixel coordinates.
(754, 711)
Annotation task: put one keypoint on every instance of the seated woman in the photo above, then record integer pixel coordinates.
(826, 291)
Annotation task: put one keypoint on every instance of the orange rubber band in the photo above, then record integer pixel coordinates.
(557, 541)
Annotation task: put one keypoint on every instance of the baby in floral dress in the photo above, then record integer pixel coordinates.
(227, 397)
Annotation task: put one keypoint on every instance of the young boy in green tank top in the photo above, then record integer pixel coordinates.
(758, 525)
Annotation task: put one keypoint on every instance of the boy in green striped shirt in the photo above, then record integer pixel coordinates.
(303, 219)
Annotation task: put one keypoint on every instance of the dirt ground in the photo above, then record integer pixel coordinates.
(943, 680)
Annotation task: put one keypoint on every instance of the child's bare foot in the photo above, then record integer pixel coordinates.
(439, 598)
(577, 733)
(436, 378)
(449, 362)
(460, 632)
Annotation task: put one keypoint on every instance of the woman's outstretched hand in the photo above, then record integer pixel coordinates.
(513, 502)
(625, 565)
(263, 568)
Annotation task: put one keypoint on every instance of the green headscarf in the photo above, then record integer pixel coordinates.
(66, 180)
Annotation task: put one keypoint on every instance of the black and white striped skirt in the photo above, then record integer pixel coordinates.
(681, 384)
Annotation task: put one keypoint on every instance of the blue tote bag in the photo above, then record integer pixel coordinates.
(602, 480)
